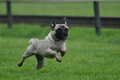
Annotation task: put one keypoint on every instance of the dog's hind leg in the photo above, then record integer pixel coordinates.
(40, 62)
(26, 55)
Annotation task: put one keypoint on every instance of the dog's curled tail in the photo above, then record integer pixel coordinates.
(33, 40)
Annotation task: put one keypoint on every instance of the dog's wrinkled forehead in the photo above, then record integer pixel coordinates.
(62, 26)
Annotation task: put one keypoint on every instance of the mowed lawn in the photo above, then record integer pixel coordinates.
(82, 8)
(89, 57)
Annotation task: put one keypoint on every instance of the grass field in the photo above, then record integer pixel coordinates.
(107, 8)
(89, 57)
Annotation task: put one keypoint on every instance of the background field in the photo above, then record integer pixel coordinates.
(107, 8)
(89, 57)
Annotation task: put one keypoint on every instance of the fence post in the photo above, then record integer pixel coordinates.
(97, 18)
(9, 16)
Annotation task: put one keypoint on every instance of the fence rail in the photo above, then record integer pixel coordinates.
(108, 22)
(56, 0)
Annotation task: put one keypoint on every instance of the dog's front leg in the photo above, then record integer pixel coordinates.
(63, 51)
(53, 54)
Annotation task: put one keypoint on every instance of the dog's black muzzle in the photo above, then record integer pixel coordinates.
(61, 34)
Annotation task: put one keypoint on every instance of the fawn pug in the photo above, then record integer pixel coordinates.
(50, 46)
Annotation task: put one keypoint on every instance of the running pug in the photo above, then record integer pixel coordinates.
(49, 47)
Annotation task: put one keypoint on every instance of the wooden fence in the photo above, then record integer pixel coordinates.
(73, 20)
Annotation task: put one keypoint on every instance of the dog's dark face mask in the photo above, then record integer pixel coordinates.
(61, 33)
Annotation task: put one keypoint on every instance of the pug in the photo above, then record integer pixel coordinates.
(50, 46)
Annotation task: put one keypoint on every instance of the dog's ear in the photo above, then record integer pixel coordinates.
(65, 20)
(52, 25)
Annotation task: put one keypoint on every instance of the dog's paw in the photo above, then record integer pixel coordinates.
(63, 51)
(19, 64)
(59, 60)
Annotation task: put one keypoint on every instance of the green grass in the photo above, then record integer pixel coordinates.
(107, 8)
(89, 57)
